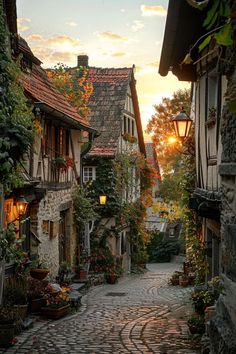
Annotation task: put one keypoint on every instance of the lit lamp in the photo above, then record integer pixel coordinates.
(182, 124)
(21, 206)
(102, 199)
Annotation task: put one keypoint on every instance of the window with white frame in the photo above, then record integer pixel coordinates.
(89, 173)
(129, 125)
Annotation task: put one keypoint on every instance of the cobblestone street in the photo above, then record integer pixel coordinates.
(140, 314)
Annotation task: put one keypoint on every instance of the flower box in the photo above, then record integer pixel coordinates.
(55, 313)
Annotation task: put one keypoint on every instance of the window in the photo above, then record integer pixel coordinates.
(89, 173)
(56, 141)
(132, 132)
(125, 125)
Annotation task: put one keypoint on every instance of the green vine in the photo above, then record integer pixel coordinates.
(16, 118)
(218, 23)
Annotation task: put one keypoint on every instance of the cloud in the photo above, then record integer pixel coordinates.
(22, 24)
(118, 54)
(35, 37)
(62, 57)
(72, 24)
(137, 26)
(147, 69)
(112, 36)
(63, 40)
(148, 10)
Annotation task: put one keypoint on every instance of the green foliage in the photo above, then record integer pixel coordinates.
(16, 118)
(106, 184)
(10, 246)
(218, 25)
(160, 250)
(83, 206)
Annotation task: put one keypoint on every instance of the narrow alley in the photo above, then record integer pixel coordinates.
(139, 314)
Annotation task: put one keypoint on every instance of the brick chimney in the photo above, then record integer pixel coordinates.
(82, 60)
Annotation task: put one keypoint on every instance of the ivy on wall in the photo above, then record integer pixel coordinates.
(16, 118)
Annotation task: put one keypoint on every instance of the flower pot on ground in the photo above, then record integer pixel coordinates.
(8, 316)
(15, 295)
(196, 325)
(83, 274)
(36, 292)
(111, 278)
(174, 280)
(7, 333)
(55, 313)
(57, 304)
(183, 280)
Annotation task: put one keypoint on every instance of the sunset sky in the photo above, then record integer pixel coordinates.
(113, 33)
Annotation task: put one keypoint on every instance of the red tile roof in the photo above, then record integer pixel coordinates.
(110, 75)
(38, 86)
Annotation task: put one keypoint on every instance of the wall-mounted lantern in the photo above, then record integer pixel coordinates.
(182, 124)
(102, 199)
(21, 206)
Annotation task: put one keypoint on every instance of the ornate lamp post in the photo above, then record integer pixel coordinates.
(182, 124)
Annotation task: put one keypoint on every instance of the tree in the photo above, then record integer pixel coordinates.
(162, 128)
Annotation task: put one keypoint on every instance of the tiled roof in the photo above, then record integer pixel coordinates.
(38, 86)
(107, 104)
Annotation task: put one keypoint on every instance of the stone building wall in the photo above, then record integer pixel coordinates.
(49, 217)
(223, 325)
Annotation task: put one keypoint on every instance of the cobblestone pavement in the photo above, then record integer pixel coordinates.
(139, 314)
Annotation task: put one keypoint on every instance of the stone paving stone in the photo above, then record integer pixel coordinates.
(149, 318)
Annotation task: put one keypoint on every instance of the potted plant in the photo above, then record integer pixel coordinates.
(15, 295)
(36, 291)
(8, 316)
(183, 280)
(174, 280)
(111, 275)
(57, 304)
(196, 324)
(39, 269)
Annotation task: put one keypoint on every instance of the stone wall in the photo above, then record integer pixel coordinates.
(223, 326)
(49, 210)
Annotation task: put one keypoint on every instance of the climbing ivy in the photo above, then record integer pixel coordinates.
(16, 118)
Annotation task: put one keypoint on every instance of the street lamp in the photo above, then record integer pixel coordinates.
(182, 124)
(102, 199)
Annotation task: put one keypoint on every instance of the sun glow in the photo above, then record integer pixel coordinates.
(172, 140)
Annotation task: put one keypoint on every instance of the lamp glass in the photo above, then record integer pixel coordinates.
(103, 199)
(21, 205)
(182, 125)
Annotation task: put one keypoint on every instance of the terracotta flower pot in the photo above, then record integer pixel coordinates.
(55, 313)
(112, 278)
(38, 273)
(174, 281)
(183, 283)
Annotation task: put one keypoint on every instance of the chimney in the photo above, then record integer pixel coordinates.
(82, 60)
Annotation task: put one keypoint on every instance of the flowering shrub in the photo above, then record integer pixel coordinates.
(59, 299)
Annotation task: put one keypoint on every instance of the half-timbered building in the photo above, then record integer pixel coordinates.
(212, 73)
